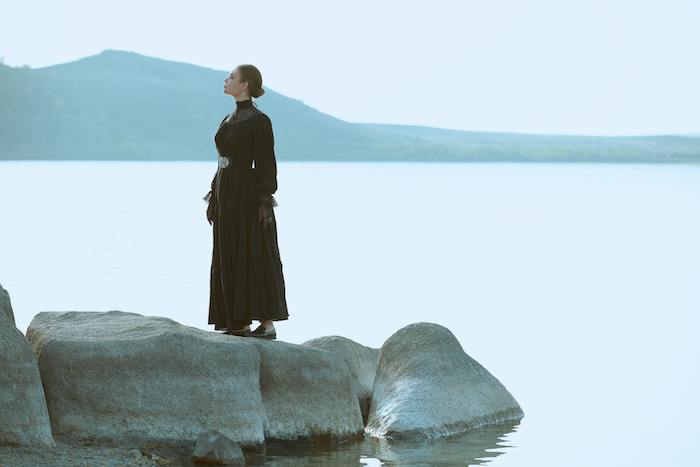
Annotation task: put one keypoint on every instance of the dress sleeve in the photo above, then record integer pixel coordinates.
(265, 163)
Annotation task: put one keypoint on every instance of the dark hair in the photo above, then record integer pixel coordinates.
(252, 76)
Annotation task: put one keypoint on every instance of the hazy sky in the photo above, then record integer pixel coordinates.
(599, 67)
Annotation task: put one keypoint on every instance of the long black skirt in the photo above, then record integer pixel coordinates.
(246, 272)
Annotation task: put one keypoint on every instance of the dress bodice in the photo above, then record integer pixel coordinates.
(245, 138)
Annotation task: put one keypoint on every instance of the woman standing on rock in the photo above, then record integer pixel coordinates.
(246, 271)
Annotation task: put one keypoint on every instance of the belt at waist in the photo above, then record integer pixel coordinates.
(226, 162)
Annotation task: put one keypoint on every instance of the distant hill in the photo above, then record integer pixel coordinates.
(514, 147)
(125, 106)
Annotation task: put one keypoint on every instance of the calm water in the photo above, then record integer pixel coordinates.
(575, 285)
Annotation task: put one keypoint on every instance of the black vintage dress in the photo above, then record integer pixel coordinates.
(246, 272)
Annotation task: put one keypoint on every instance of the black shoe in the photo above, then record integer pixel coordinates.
(243, 333)
(262, 333)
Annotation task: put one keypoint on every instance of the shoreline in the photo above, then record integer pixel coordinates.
(69, 455)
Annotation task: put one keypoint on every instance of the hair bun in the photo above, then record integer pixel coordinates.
(252, 76)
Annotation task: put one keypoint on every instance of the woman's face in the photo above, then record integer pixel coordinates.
(233, 85)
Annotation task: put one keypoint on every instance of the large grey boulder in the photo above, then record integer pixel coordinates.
(129, 379)
(361, 360)
(427, 387)
(24, 419)
(308, 394)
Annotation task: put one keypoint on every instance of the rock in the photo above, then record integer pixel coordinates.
(133, 380)
(141, 381)
(137, 459)
(24, 419)
(308, 395)
(155, 458)
(427, 387)
(145, 458)
(214, 448)
(6, 306)
(361, 360)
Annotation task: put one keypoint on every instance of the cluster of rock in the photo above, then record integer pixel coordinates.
(131, 380)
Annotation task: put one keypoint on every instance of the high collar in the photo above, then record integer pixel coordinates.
(246, 104)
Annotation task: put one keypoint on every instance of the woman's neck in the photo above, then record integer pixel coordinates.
(244, 104)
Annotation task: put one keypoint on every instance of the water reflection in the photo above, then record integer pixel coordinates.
(476, 447)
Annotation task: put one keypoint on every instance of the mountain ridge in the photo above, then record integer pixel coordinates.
(125, 106)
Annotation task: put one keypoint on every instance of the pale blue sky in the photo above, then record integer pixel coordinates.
(599, 67)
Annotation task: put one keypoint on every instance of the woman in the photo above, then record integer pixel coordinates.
(246, 272)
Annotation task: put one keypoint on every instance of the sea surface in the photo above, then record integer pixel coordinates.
(576, 285)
